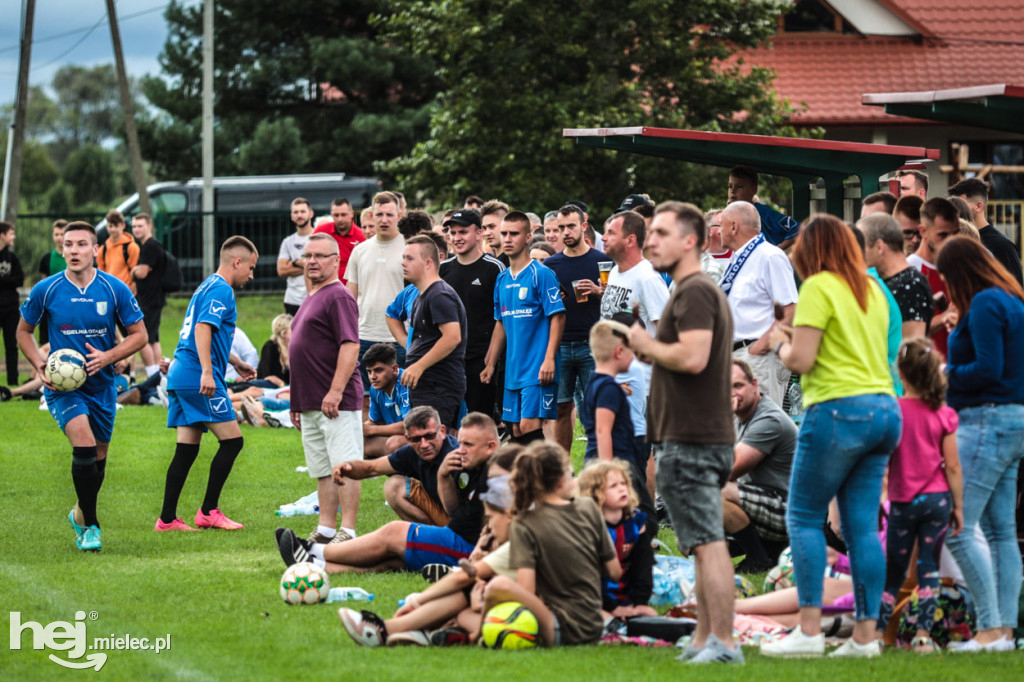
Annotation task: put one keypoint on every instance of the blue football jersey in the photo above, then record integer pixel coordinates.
(77, 316)
(524, 304)
(390, 409)
(212, 304)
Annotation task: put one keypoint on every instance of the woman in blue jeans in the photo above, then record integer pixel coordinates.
(985, 367)
(852, 423)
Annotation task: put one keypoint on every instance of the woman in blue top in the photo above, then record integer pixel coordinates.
(986, 387)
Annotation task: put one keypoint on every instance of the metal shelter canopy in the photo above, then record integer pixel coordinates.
(999, 107)
(802, 161)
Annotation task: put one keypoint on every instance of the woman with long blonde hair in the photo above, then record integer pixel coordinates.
(274, 366)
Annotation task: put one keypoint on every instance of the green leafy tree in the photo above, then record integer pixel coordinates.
(89, 171)
(88, 108)
(275, 147)
(352, 98)
(514, 74)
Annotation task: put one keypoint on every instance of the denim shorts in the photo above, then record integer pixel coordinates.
(690, 481)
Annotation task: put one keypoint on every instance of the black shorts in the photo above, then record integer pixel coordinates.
(152, 321)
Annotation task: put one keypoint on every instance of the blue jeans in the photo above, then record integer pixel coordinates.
(842, 451)
(991, 443)
(575, 363)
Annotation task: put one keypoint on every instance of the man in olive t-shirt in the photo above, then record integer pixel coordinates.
(690, 418)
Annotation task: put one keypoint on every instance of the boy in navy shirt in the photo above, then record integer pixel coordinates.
(606, 414)
(82, 307)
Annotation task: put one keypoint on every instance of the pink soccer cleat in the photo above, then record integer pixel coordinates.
(216, 519)
(176, 524)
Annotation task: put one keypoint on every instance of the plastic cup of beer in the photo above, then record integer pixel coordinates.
(580, 296)
(605, 267)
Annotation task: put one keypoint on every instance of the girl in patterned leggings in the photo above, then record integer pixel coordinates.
(925, 486)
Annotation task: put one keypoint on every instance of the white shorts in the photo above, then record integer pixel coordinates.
(327, 442)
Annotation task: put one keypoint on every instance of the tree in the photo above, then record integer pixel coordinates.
(352, 98)
(89, 171)
(88, 106)
(275, 147)
(514, 74)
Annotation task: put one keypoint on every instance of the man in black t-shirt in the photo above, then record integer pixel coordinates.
(883, 250)
(975, 192)
(435, 372)
(472, 274)
(148, 277)
(461, 478)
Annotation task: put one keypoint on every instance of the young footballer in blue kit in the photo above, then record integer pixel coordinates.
(198, 392)
(530, 316)
(82, 307)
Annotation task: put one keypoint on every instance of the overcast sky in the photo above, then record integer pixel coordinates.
(76, 32)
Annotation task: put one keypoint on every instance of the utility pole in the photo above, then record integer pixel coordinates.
(208, 245)
(16, 134)
(128, 108)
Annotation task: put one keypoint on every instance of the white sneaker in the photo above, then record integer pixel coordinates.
(795, 645)
(850, 649)
(972, 646)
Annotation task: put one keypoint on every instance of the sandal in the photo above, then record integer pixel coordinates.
(923, 645)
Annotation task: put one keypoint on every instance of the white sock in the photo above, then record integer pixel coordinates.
(351, 531)
(319, 562)
(326, 532)
(152, 369)
(317, 551)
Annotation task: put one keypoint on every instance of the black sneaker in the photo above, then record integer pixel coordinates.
(449, 637)
(364, 627)
(434, 572)
(5, 394)
(293, 549)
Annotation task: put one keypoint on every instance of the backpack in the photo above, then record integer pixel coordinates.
(124, 251)
(171, 280)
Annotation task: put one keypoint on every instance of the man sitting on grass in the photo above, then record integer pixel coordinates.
(384, 431)
(461, 478)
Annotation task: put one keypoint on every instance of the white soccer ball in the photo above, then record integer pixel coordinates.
(305, 583)
(65, 369)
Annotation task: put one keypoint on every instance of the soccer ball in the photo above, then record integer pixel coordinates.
(786, 558)
(305, 583)
(510, 626)
(65, 369)
(779, 578)
(744, 588)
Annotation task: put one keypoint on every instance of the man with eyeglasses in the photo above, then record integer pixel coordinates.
(459, 478)
(326, 389)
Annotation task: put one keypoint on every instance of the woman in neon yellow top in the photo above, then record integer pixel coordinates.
(852, 424)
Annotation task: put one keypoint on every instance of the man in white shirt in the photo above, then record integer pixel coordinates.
(374, 275)
(290, 263)
(759, 275)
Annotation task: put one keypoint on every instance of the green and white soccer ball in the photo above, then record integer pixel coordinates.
(779, 578)
(305, 583)
(65, 369)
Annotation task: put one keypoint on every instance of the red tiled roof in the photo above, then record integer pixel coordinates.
(830, 72)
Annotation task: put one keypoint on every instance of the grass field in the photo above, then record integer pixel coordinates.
(215, 593)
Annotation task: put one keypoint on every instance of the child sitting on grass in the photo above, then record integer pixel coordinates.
(607, 483)
(559, 548)
(450, 597)
(925, 486)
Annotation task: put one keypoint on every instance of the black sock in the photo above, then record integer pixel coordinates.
(86, 478)
(220, 468)
(177, 473)
(101, 471)
(528, 437)
(750, 542)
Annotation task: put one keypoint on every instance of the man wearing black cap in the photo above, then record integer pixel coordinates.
(472, 274)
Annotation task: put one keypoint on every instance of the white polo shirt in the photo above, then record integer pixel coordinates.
(765, 278)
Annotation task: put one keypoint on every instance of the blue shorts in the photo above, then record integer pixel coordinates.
(100, 408)
(529, 402)
(433, 545)
(191, 408)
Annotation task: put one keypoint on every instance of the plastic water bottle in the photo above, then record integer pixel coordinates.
(349, 594)
(297, 510)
